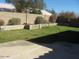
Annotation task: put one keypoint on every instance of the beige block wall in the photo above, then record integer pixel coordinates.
(30, 17)
(47, 18)
(6, 16)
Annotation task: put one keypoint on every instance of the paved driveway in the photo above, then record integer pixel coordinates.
(22, 50)
(62, 50)
(65, 45)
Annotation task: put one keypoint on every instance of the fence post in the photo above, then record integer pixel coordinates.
(40, 26)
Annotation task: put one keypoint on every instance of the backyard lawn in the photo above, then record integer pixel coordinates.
(12, 35)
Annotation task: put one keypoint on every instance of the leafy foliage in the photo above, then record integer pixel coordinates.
(14, 21)
(39, 4)
(35, 11)
(22, 5)
(66, 17)
(40, 20)
(52, 19)
(1, 22)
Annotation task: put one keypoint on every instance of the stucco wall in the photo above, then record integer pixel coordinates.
(30, 17)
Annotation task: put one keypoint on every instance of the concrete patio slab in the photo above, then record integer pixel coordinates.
(22, 50)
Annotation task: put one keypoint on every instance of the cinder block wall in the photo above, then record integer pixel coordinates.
(6, 16)
(32, 17)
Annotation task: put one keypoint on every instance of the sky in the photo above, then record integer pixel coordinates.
(2, 1)
(63, 5)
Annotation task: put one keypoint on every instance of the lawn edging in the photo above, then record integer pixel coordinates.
(30, 26)
(39, 26)
(12, 27)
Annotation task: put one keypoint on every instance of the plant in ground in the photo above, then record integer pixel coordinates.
(14, 21)
(1, 22)
(66, 17)
(40, 20)
(52, 19)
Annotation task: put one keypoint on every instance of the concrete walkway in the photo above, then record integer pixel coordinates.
(22, 50)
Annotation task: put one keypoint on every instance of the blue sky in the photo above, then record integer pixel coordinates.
(2, 1)
(63, 5)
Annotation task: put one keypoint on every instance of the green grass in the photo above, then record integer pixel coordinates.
(12, 35)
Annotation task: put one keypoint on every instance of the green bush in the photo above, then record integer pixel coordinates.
(1, 22)
(14, 21)
(77, 20)
(40, 20)
(52, 19)
(66, 17)
(34, 11)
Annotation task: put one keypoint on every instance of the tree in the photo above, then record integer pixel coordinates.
(53, 11)
(39, 4)
(66, 17)
(22, 4)
(29, 3)
(13, 1)
(19, 4)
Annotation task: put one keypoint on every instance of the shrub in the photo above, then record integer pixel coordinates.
(26, 26)
(40, 20)
(77, 20)
(66, 17)
(1, 22)
(34, 11)
(52, 19)
(14, 21)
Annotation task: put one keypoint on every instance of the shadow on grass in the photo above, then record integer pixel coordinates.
(69, 24)
(65, 45)
(67, 36)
